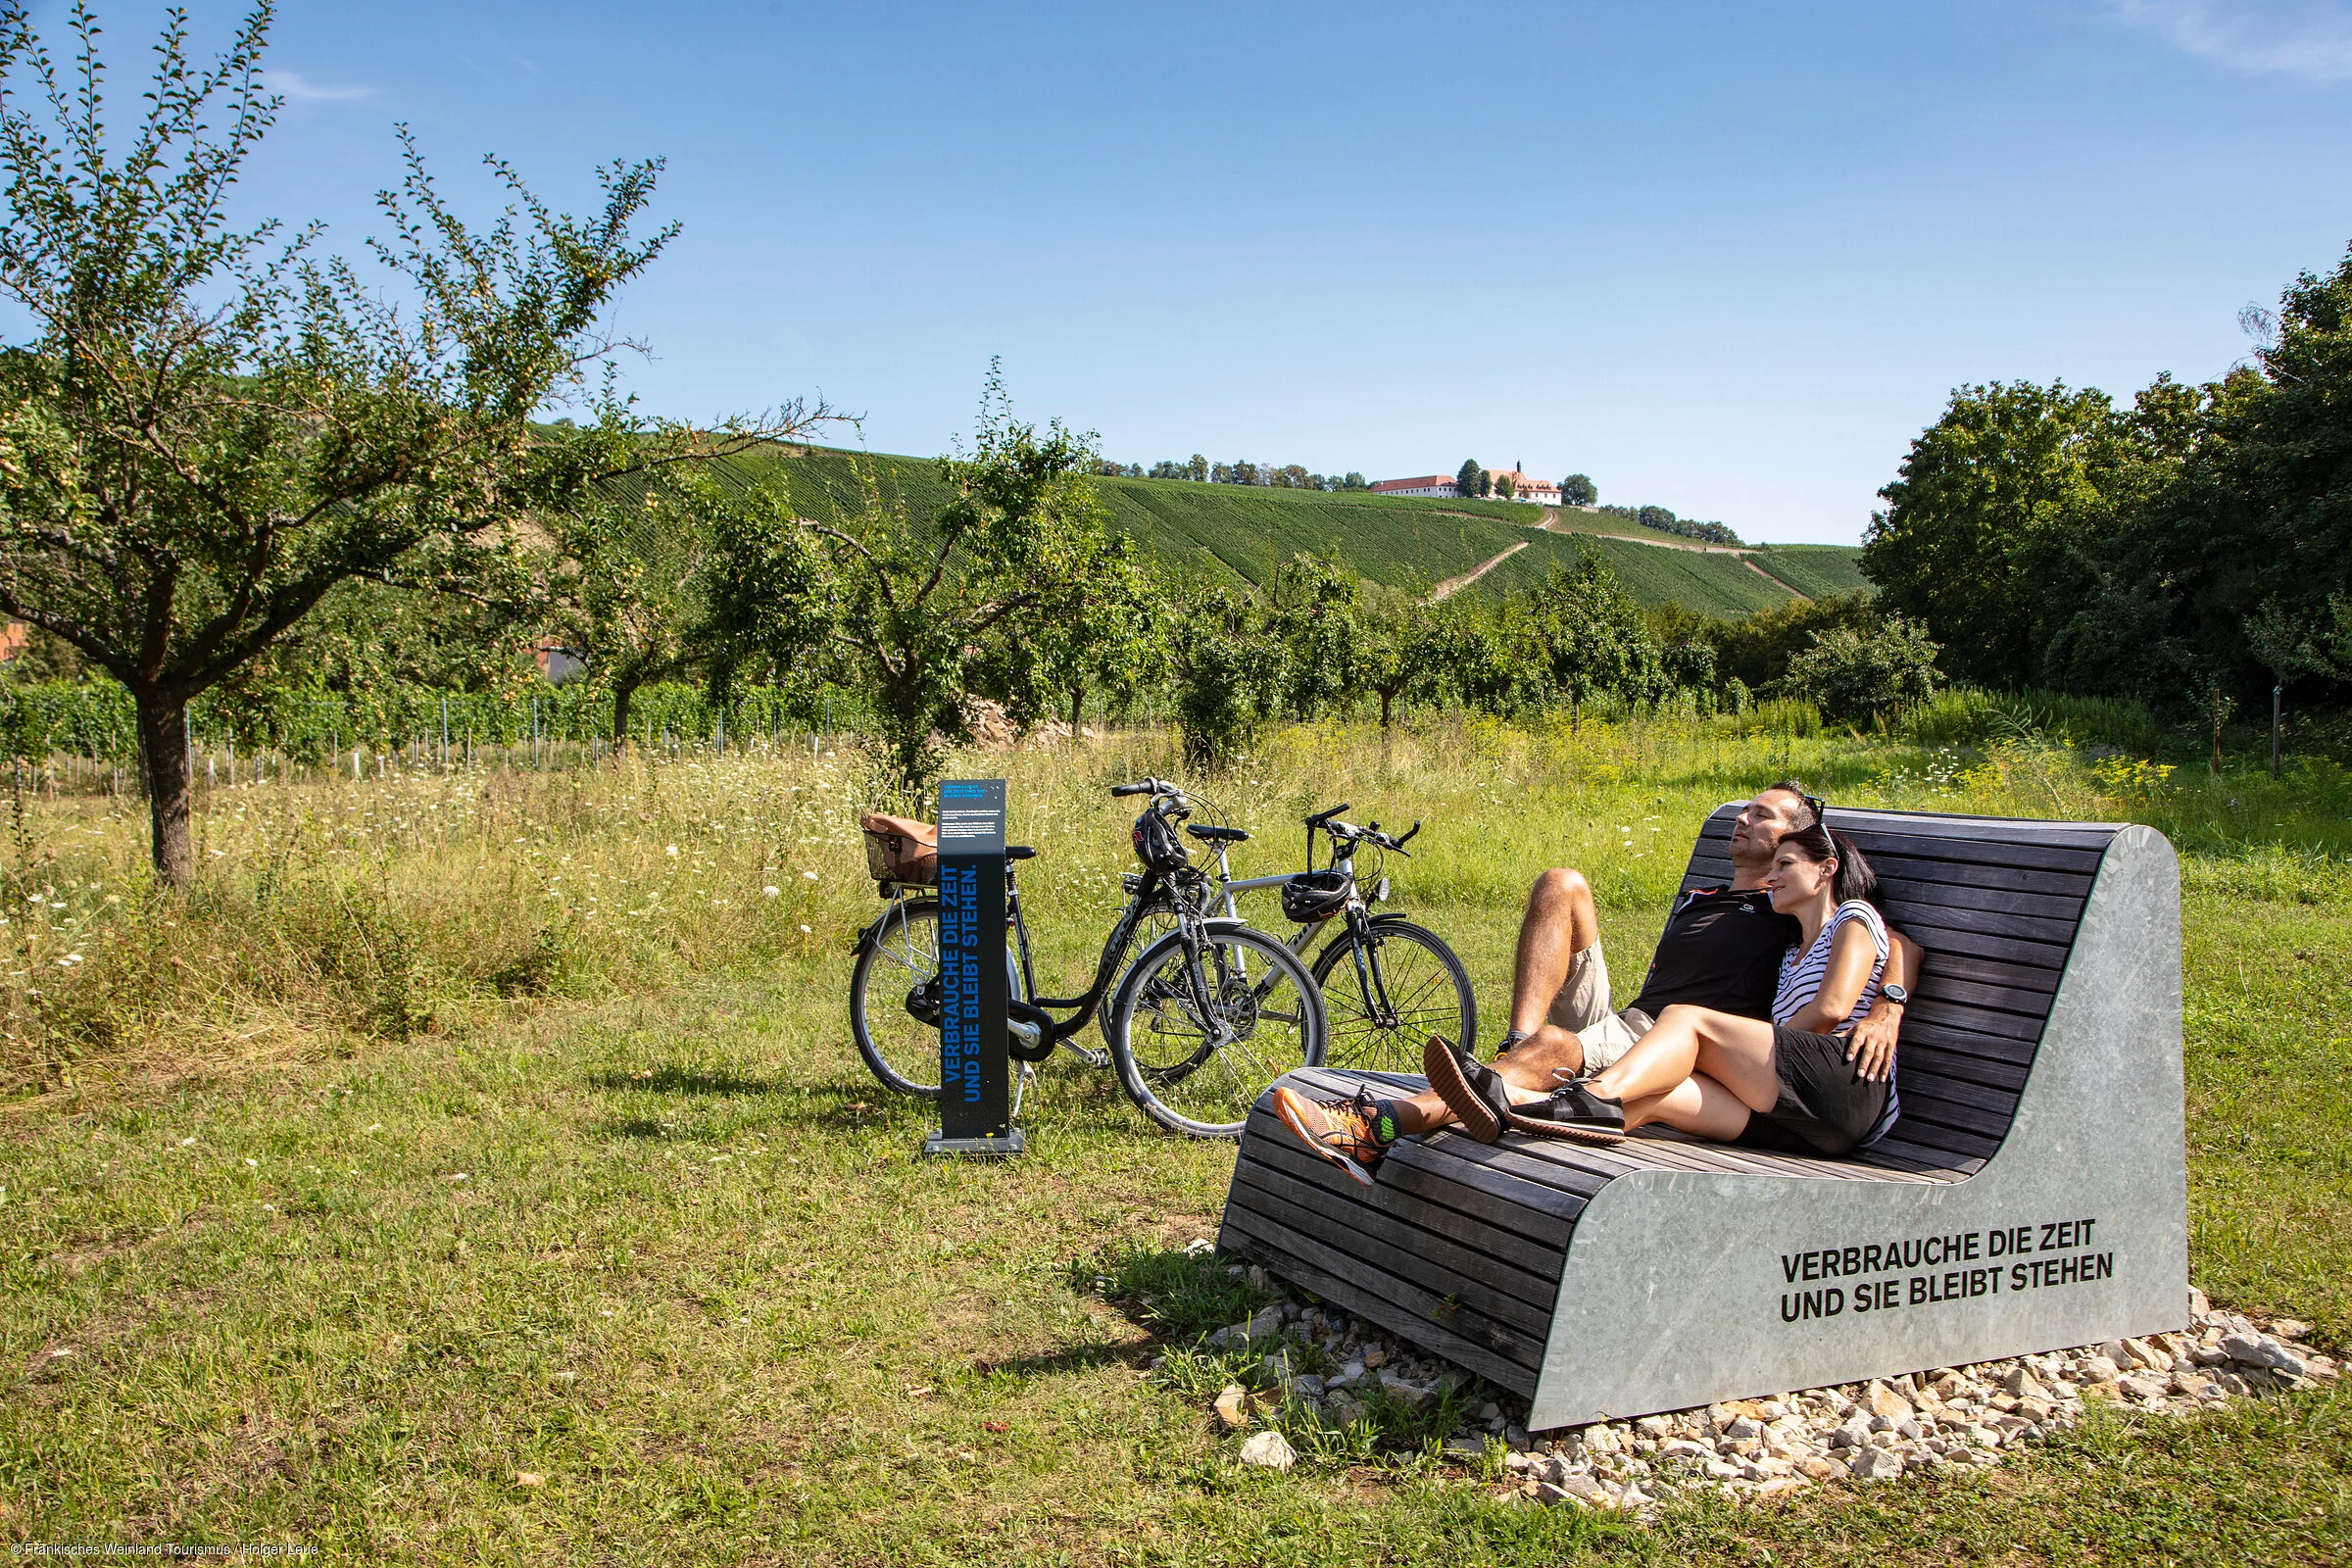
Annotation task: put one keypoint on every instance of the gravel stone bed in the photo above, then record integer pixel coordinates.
(1876, 1431)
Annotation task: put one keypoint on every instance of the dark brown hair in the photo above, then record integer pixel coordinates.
(1854, 880)
(1805, 797)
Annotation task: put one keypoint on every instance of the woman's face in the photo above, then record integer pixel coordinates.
(1795, 880)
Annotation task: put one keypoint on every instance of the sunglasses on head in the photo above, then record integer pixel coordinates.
(1819, 805)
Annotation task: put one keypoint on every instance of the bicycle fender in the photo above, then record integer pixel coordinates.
(865, 938)
(1394, 919)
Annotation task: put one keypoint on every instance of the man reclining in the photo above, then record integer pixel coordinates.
(1721, 950)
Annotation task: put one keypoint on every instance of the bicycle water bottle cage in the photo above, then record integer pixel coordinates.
(1158, 846)
(1313, 895)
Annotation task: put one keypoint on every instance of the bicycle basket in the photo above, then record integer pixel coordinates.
(1158, 846)
(899, 849)
(1313, 895)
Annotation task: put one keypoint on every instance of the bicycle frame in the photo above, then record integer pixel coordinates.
(1148, 891)
(1358, 916)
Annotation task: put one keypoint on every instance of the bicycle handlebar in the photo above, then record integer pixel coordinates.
(1321, 818)
(1144, 788)
(1349, 832)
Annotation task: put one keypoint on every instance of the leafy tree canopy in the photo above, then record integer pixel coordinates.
(211, 428)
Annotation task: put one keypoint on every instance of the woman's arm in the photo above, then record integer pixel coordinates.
(1853, 953)
(1871, 1047)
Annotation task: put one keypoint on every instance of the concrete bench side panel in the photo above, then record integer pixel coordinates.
(1683, 1288)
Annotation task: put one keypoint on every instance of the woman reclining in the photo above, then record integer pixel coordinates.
(1792, 1085)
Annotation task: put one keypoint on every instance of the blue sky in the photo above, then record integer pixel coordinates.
(1724, 258)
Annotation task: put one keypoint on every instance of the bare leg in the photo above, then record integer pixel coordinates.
(1531, 1070)
(1733, 1052)
(1560, 921)
(1697, 1105)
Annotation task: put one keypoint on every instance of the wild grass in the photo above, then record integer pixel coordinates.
(477, 1166)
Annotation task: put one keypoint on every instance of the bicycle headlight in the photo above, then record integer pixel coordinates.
(1379, 891)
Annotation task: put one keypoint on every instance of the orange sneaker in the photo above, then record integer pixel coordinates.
(1352, 1134)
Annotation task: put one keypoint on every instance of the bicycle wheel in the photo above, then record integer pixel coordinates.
(1196, 1064)
(894, 1000)
(1154, 923)
(1425, 986)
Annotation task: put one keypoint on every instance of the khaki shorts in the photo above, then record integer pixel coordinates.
(1582, 1010)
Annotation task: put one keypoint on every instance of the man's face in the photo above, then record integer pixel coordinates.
(1757, 831)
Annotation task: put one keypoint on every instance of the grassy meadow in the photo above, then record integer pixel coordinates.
(477, 1167)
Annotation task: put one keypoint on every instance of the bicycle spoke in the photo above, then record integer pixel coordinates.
(1423, 999)
(901, 1048)
(1206, 1064)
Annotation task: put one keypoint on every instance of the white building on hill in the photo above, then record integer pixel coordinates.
(1535, 492)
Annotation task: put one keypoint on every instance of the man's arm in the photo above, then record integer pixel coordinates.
(1873, 1038)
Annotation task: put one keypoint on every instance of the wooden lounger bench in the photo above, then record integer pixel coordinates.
(2032, 1195)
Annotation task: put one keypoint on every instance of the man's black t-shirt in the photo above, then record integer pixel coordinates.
(1720, 949)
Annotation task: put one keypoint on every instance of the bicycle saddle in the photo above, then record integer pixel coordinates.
(1218, 835)
(1018, 852)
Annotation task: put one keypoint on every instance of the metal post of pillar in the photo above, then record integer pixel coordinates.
(975, 1117)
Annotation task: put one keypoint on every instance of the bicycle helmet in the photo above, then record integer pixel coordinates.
(1313, 895)
(1158, 846)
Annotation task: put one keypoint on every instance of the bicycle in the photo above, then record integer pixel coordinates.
(1194, 1034)
(1388, 982)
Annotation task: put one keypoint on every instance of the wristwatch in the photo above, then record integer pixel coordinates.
(1894, 994)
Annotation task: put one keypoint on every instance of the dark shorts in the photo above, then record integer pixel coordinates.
(1825, 1106)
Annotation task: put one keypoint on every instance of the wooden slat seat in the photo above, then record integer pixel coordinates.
(1473, 1251)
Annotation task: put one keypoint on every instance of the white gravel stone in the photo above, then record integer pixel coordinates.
(1875, 1464)
(1269, 1450)
(1876, 1430)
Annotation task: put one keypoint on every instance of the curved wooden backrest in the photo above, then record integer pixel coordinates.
(1995, 902)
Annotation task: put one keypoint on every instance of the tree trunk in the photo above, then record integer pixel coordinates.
(164, 743)
(1387, 708)
(620, 716)
(1077, 706)
(2216, 729)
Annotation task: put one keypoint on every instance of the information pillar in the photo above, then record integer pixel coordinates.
(973, 1069)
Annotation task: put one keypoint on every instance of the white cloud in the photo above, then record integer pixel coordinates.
(2308, 38)
(292, 85)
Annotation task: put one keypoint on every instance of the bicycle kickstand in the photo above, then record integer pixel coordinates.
(1021, 1085)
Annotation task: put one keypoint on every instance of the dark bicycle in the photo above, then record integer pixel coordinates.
(1206, 1015)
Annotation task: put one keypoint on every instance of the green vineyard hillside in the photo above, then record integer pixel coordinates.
(1240, 534)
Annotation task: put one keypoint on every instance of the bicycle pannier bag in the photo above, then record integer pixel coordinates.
(900, 849)
(1313, 895)
(1158, 846)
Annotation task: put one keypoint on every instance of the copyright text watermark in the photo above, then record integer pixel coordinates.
(170, 1548)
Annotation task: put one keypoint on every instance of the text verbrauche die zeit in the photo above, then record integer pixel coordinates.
(2026, 1249)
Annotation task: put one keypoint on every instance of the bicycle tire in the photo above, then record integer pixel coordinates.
(1218, 1084)
(904, 1033)
(1154, 925)
(1355, 1039)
